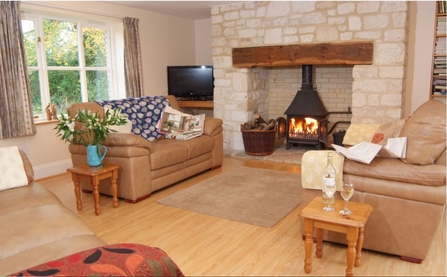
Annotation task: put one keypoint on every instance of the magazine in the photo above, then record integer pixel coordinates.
(177, 125)
(183, 135)
(365, 152)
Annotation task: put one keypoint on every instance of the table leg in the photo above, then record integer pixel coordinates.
(319, 250)
(358, 257)
(95, 184)
(115, 188)
(308, 244)
(351, 237)
(77, 190)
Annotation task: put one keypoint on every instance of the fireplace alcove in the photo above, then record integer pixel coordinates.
(306, 104)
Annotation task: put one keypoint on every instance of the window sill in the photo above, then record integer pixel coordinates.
(44, 121)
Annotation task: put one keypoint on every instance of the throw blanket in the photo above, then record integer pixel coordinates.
(112, 260)
(313, 164)
(143, 112)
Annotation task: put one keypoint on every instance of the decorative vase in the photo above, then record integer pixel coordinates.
(94, 157)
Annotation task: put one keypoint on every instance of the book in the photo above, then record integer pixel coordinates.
(365, 152)
(177, 125)
(183, 135)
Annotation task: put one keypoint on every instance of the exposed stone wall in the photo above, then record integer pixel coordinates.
(376, 89)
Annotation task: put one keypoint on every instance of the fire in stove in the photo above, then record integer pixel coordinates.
(303, 128)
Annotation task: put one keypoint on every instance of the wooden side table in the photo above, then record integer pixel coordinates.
(353, 225)
(94, 175)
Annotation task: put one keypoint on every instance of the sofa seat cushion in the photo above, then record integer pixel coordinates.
(32, 227)
(166, 153)
(33, 195)
(396, 170)
(111, 260)
(48, 252)
(196, 146)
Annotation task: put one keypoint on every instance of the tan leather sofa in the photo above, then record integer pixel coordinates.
(408, 195)
(149, 166)
(37, 227)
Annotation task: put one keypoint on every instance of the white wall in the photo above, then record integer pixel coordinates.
(204, 49)
(420, 45)
(165, 40)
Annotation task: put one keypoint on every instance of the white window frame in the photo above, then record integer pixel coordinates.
(115, 40)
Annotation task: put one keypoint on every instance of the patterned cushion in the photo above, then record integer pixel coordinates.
(388, 130)
(12, 171)
(143, 112)
(312, 165)
(357, 133)
(112, 260)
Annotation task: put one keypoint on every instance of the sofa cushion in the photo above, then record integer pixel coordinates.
(48, 252)
(12, 170)
(426, 133)
(388, 130)
(166, 153)
(392, 169)
(112, 260)
(28, 228)
(357, 133)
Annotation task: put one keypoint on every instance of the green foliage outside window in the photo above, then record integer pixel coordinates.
(63, 63)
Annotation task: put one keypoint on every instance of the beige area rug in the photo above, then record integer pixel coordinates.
(254, 196)
(280, 154)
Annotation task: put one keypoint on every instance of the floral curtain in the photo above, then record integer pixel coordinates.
(16, 117)
(132, 58)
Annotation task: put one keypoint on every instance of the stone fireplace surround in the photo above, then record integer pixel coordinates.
(375, 90)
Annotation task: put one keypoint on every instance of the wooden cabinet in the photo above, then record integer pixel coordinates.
(438, 80)
(196, 104)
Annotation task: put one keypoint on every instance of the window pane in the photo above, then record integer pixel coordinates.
(61, 43)
(97, 85)
(36, 99)
(95, 47)
(29, 35)
(65, 88)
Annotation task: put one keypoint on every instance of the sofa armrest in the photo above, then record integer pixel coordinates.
(213, 126)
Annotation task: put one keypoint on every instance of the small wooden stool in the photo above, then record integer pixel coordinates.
(94, 175)
(353, 225)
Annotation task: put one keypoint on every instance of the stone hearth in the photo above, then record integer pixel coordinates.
(375, 90)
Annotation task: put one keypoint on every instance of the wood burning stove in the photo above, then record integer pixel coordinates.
(307, 118)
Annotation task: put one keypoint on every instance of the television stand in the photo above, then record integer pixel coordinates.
(196, 104)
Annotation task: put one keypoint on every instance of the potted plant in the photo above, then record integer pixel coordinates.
(90, 130)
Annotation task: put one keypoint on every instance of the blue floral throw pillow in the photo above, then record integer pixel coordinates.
(143, 112)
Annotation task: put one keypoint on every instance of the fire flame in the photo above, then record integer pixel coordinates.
(304, 126)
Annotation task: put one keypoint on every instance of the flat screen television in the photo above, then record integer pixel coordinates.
(194, 82)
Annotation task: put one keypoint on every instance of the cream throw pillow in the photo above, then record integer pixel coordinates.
(124, 129)
(388, 130)
(312, 165)
(357, 133)
(12, 171)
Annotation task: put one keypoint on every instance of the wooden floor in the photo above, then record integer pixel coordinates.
(206, 245)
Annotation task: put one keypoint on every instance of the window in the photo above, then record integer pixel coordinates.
(69, 61)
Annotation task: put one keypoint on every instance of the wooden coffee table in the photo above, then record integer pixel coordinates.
(94, 175)
(353, 225)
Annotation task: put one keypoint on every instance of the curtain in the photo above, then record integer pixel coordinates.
(132, 58)
(16, 117)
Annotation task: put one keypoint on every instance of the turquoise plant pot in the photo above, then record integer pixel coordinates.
(94, 157)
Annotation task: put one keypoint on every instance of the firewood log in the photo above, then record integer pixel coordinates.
(246, 126)
(271, 125)
(257, 118)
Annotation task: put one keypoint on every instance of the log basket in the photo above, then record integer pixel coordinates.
(259, 142)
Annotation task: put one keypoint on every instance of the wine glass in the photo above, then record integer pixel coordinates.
(346, 192)
(329, 189)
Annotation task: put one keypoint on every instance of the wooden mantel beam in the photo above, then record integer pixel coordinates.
(349, 53)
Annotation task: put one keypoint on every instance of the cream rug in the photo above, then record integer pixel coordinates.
(254, 196)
